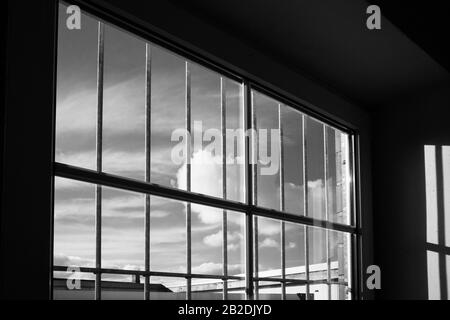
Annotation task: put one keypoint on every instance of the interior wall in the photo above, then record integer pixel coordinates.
(27, 151)
(401, 130)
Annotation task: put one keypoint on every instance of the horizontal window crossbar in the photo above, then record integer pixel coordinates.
(300, 281)
(113, 181)
(147, 273)
(193, 275)
(438, 248)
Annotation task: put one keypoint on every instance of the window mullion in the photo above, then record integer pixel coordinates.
(282, 205)
(327, 218)
(224, 185)
(255, 152)
(354, 211)
(99, 144)
(188, 180)
(305, 204)
(148, 113)
(250, 193)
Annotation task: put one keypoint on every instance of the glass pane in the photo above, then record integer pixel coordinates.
(319, 291)
(295, 291)
(74, 224)
(167, 288)
(123, 229)
(445, 150)
(167, 235)
(207, 289)
(340, 292)
(206, 165)
(122, 287)
(315, 168)
(76, 92)
(293, 160)
(236, 243)
(268, 179)
(236, 289)
(207, 240)
(268, 290)
(338, 176)
(268, 232)
(318, 267)
(340, 257)
(235, 145)
(73, 285)
(168, 115)
(124, 104)
(295, 251)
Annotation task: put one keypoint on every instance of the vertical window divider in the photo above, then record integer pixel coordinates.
(148, 117)
(99, 144)
(305, 204)
(354, 212)
(224, 184)
(188, 180)
(250, 195)
(325, 184)
(282, 204)
(255, 152)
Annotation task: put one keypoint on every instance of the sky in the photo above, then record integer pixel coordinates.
(123, 154)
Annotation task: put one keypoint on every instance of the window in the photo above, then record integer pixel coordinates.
(178, 180)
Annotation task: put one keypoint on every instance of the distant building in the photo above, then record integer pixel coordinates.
(211, 289)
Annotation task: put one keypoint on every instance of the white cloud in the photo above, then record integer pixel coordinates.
(159, 214)
(206, 178)
(268, 243)
(268, 227)
(113, 161)
(133, 204)
(208, 268)
(123, 107)
(235, 268)
(207, 215)
(206, 174)
(215, 239)
(316, 199)
(215, 268)
(316, 184)
(168, 235)
(61, 259)
(76, 112)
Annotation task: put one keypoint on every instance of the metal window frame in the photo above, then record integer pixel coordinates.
(148, 117)
(99, 157)
(250, 208)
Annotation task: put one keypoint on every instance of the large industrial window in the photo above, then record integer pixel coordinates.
(175, 179)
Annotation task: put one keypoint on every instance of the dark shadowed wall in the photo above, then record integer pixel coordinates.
(401, 130)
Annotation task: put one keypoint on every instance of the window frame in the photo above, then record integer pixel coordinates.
(251, 211)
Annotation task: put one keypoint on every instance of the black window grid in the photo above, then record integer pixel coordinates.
(250, 208)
